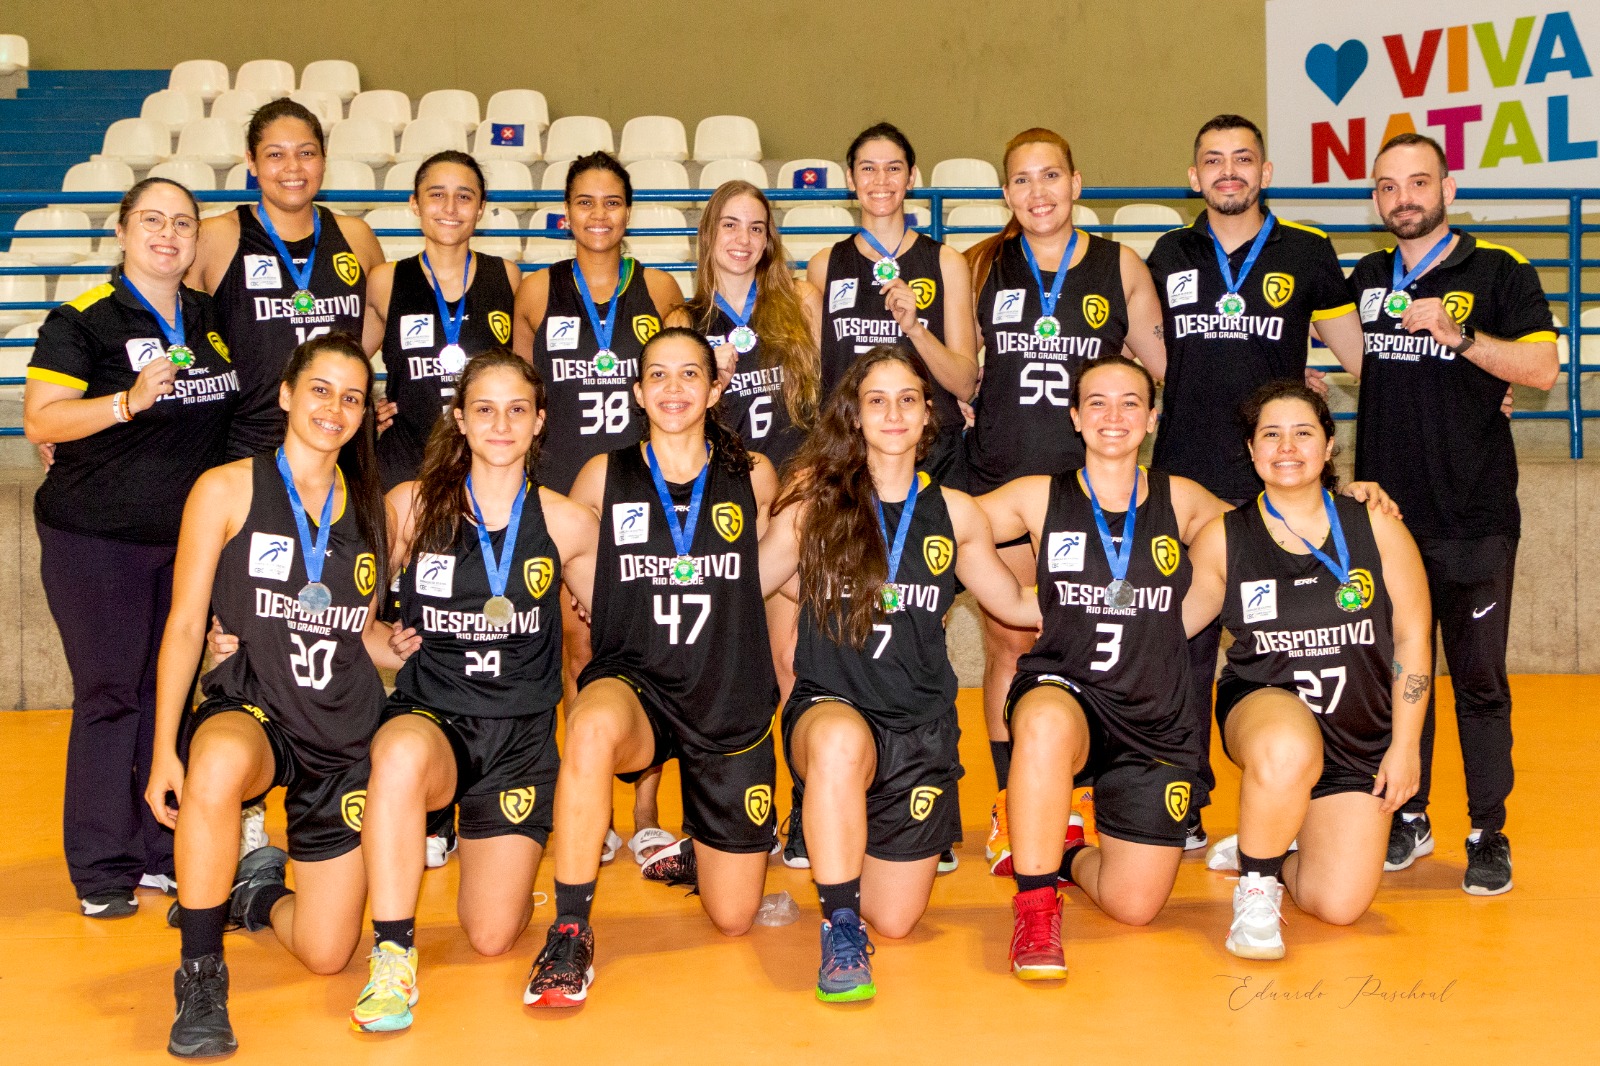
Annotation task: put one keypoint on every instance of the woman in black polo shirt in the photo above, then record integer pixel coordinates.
(133, 385)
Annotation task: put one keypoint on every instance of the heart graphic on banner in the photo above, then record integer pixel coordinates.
(1336, 71)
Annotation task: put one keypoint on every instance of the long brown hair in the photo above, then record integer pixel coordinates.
(981, 256)
(843, 559)
(778, 317)
(447, 460)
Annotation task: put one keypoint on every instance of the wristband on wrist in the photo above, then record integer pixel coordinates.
(120, 407)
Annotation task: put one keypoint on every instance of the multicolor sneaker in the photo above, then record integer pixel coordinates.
(845, 975)
(1036, 953)
(257, 870)
(564, 970)
(200, 1028)
(1488, 865)
(385, 1003)
(948, 863)
(1083, 807)
(1074, 838)
(1194, 831)
(673, 865)
(1257, 914)
(253, 829)
(1409, 840)
(440, 845)
(998, 847)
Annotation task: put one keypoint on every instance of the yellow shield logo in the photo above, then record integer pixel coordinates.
(366, 573)
(758, 803)
(924, 289)
(1178, 800)
(938, 553)
(1277, 288)
(1096, 309)
(1164, 550)
(1363, 581)
(352, 806)
(537, 575)
(500, 325)
(922, 798)
(1458, 304)
(728, 520)
(216, 342)
(645, 327)
(516, 804)
(348, 267)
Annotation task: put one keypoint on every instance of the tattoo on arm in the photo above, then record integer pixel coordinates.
(1158, 331)
(1416, 687)
(1394, 664)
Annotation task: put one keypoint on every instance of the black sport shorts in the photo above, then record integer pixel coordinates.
(1336, 777)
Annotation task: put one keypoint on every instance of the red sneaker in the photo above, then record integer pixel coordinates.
(1074, 838)
(1036, 938)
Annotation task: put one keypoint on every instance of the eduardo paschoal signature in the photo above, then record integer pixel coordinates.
(1245, 991)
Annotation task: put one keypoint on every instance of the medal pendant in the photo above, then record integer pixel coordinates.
(1231, 305)
(315, 598)
(453, 358)
(1348, 596)
(743, 339)
(498, 611)
(605, 362)
(886, 270)
(683, 570)
(889, 599)
(303, 302)
(181, 356)
(1120, 594)
(1397, 303)
(1047, 327)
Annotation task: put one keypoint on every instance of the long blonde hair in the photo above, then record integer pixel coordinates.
(981, 256)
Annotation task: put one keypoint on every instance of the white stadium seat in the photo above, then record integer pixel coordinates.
(342, 175)
(451, 105)
(505, 179)
(397, 216)
(71, 286)
(390, 105)
(215, 141)
(719, 171)
(505, 247)
(139, 142)
(575, 135)
(323, 103)
(208, 77)
(173, 107)
(271, 76)
(660, 249)
(484, 147)
(365, 140)
(992, 214)
(337, 76)
(238, 105)
(53, 251)
(659, 174)
(653, 137)
(98, 175)
(1144, 215)
(519, 105)
(401, 175)
(190, 173)
(803, 246)
(964, 174)
(548, 249)
(14, 361)
(13, 53)
(726, 137)
(106, 247)
(17, 288)
(555, 176)
(1086, 216)
(425, 136)
(918, 216)
(810, 174)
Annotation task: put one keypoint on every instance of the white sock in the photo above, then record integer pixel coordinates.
(1474, 836)
(1410, 817)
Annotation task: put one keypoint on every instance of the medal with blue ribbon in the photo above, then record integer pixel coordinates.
(889, 597)
(1120, 592)
(1398, 302)
(683, 568)
(1348, 594)
(605, 360)
(302, 301)
(498, 610)
(742, 337)
(887, 268)
(1047, 325)
(181, 355)
(315, 597)
(1231, 305)
(452, 357)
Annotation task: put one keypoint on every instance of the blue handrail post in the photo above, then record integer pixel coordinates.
(1574, 318)
(936, 202)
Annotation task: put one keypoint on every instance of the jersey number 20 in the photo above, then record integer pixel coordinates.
(313, 666)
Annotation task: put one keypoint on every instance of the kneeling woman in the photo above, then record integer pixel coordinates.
(1321, 701)
(289, 548)
(681, 667)
(871, 726)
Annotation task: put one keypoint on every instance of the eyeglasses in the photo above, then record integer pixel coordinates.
(155, 221)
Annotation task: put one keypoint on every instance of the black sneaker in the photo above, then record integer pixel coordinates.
(794, 848)
(1488, 865)
(947, 861)
(257, 870)
(1408, 842)
(201, 1027)
(1194, 833)
(109, 903)
(564, 970)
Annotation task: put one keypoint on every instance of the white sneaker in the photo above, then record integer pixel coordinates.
(608, 850)
(1257, 914)
(253, 829)
(1224, 854)
(440, 845)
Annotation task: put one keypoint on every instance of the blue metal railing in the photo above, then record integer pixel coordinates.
(1569, 202)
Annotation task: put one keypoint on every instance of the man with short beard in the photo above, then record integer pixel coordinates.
(1450, 320)
(1231, 329)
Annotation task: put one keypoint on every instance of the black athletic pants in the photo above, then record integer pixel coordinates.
(1469, 582)
(110, 603)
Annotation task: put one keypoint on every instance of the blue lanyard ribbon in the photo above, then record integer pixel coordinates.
(1117, 558)
(173, 332)
(1047, 300)
(1234, 285)
(451, 322)
(300, 275)
(880, 249)
(499, 569)
(602, 330)
(314, 554)
(682, 532)
(739, 318)
(1403, 278)
(902, 528)
(1341, 569)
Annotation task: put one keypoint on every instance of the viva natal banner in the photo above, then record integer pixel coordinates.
(1509, 88)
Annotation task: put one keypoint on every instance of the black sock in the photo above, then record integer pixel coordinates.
(844, 895)
(1272, 867)
(1000, 752)
(574, 901)
(202, 930)
(1029, 882)
(1066, 861)
(260, 916)
(402, 932)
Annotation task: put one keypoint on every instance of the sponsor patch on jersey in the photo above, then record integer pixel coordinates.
(353, 808)
(436, 575)
(1096, 309)
(142, 351)
(347, 267)
(537, 575)
(366, 574)
(645, 327)
(1372, 304)
(516, 804)
(1177, 800)
(922, 799)
(1008, 305)
(1065, 552)
(1260, 600)
(1458, 305)
(924, 289)
(758, 803)
(270, 556)
(1363, 581)
(728, 520)
(1183, 288)
(416, 331)
(262, 272)
(938, 553)
(841, 294)
(1277, 288)
(630, 523)
(561, 333)
(216, 343)
(1164, 550)
(500, 326)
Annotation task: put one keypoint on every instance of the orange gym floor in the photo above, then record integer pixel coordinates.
(1430, 975)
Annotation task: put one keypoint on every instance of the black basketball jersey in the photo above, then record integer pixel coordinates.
(590, 409)
(752, 404)
(254, 306)
(1288, 630)
(412, 337)
(1132, 658)
(698, 652)
(1021, 425)
(310, 674)
(902, 678)
(466, 665)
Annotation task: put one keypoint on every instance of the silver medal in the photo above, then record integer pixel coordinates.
(453, 358)
(1120, 593)
(315, 598)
